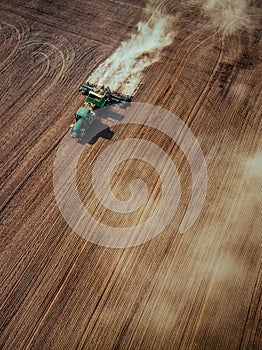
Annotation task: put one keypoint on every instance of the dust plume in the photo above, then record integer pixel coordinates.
(228, 15)
(123, 70)
(254, 165)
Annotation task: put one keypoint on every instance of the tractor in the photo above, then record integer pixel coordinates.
(96, 97)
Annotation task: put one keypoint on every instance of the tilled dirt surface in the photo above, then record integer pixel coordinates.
(200, 290)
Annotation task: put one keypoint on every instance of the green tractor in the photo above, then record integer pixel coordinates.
(84, 118)
(97, 97)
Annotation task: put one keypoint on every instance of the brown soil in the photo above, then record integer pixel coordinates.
(200, 290)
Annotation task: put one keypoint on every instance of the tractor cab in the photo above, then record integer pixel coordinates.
(82, 112)
(84, 118)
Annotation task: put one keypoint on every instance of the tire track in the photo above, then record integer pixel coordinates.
(21, 29)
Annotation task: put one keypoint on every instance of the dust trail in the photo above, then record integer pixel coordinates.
(123, 70)
(228, 15)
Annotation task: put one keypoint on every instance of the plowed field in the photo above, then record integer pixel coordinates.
(197, 290)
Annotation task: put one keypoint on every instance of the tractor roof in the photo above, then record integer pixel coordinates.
(82, 112)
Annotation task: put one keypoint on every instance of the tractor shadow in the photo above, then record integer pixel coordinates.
(109, 114)
(100, 130)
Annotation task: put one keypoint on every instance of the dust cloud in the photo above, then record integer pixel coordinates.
(123, 70)
(227, 15)
(254, 166)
